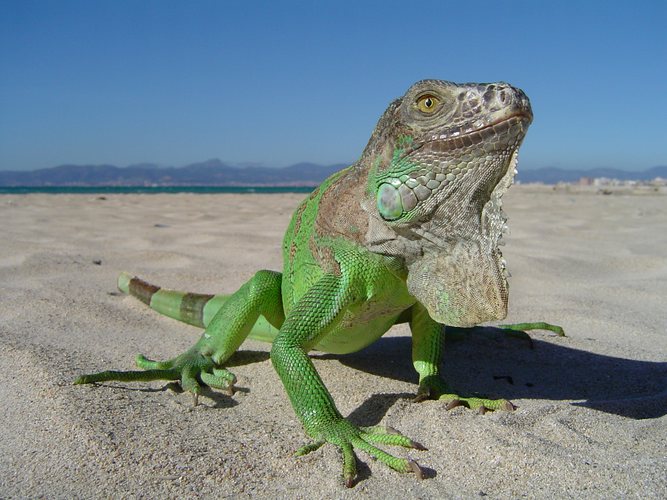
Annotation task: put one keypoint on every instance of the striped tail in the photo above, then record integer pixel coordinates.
(196, 309)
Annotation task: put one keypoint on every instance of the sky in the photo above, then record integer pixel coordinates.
(280, 82)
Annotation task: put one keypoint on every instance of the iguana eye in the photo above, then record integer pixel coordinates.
(428, 103)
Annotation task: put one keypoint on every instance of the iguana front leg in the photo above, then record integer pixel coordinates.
(224, 334)
(313, 316)
(427, 346)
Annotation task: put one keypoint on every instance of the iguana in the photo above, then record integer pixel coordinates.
(408, 233)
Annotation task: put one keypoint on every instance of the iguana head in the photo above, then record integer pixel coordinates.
(440, 160)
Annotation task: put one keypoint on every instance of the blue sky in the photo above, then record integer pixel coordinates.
(175, 82)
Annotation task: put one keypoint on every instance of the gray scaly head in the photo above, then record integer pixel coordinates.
(440, 160)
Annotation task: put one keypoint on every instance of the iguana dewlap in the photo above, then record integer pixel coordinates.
(409, 233)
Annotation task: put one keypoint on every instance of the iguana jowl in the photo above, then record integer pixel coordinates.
(408, 233)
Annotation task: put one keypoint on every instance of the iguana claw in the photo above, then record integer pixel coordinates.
(453, 404)
(419, 473)
(421, 397)
(418, 446)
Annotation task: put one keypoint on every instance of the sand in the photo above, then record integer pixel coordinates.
(591, 407)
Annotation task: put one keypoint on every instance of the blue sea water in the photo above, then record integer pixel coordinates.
(152, 189)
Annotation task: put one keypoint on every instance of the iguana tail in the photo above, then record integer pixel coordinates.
(196, 309)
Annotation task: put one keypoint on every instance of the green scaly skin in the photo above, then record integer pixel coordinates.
(409, 233)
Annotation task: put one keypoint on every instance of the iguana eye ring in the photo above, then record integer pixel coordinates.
(428, 103)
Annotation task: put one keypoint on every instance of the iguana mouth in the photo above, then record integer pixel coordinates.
(470, 135)
(467, 136)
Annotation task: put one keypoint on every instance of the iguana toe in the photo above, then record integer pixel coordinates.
(309, 448)
(381, 434)
(220, 378)
(535, 325)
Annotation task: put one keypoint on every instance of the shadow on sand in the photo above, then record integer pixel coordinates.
(489, 362)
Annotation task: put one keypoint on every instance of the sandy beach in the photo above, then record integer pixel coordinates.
(591, 418)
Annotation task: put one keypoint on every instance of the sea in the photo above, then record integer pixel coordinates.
(153, 189)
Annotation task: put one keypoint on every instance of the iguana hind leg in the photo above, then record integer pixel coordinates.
(224, 334)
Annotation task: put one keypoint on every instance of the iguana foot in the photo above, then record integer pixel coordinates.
(347, 437)
(192, 368)
(435, 388)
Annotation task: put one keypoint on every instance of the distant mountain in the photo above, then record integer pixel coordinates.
(208, 173)
(216, 173)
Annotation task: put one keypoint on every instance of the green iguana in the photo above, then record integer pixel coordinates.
(409, 233)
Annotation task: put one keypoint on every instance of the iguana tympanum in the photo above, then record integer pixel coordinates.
(409, 233)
